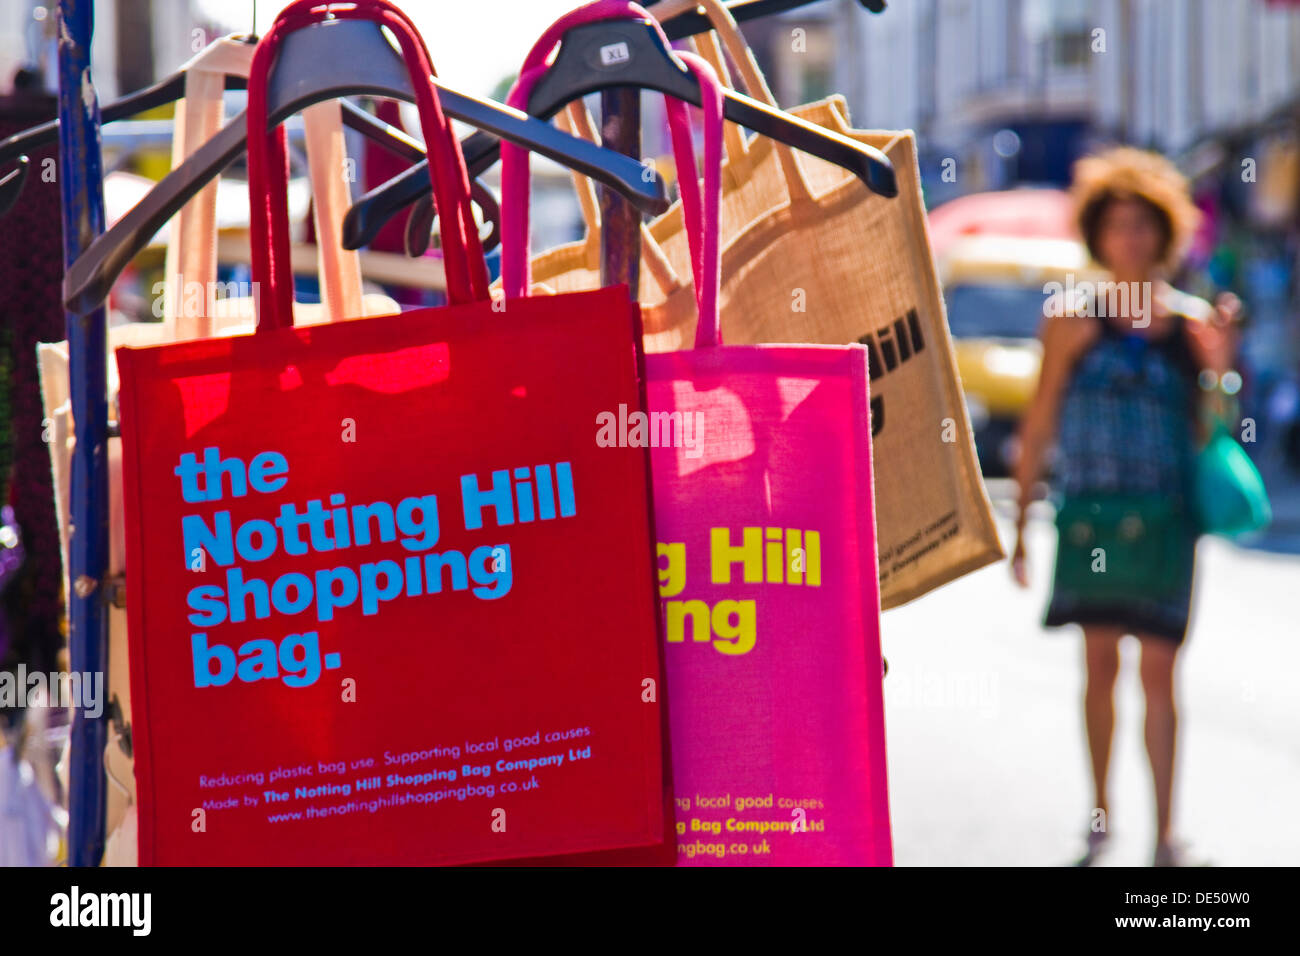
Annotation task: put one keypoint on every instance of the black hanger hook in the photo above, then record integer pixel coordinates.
(420, 224)
(11, 184)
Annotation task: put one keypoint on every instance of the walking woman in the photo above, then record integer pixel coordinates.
(1124, 374)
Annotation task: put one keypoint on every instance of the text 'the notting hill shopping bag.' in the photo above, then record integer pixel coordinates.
(809, 254)
(767, 574)
(389, 602)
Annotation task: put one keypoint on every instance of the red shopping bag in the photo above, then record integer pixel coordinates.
(389, 602)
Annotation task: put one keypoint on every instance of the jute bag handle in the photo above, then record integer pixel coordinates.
(577, 120)
(727, 30)
(192, 251)
(340, 268)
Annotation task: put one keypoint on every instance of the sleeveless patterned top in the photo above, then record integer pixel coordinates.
(1127, 422)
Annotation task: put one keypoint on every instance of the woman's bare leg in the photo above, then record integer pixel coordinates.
(1101, 652)
(1159, 656)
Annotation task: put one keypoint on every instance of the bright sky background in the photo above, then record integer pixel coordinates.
(473, 43)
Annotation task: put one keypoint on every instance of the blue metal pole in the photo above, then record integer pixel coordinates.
(81, 186)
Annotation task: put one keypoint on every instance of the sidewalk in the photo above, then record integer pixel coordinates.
(987, 759)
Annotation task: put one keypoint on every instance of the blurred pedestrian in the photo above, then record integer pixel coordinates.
(1125, 370)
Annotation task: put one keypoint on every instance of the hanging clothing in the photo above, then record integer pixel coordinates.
(1127, 432)
(31, 311)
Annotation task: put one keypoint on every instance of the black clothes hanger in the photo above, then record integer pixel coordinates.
(11, 184)
(689, 24)
(391, 138)
(329, 60)
(28, 141)
(170, 90)
(419, 225)
(17, 147)
(579, 69)
(20, 145)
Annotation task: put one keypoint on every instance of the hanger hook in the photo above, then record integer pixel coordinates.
(108, 770)
(11, 184)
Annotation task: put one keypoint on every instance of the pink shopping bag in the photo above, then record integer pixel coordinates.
(764, 513)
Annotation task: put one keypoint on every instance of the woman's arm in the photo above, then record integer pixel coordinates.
(1213, 333)
(1213, 339)
(1064, 337)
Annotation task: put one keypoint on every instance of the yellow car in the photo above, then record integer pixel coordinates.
(995, 288)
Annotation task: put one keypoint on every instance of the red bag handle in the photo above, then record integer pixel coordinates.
(466, 270)
(701, 213)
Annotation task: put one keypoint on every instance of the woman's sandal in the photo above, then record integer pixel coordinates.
(1177, 853)
(1097, 841)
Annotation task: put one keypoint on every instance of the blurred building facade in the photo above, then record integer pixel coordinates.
(1006, 93)
(1056, 74)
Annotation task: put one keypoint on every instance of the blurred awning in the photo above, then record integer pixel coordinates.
(1025, 213)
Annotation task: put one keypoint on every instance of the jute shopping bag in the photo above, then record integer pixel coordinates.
(771, 605)
(811, 255)
(388, 600)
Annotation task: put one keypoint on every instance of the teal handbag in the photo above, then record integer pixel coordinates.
(1229, 492)
(1120, 549)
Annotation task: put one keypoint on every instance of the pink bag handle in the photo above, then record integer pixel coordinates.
(701, 220)
(701, 211)
(466, 270)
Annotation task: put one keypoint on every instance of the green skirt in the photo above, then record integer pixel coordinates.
(1126, 561)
